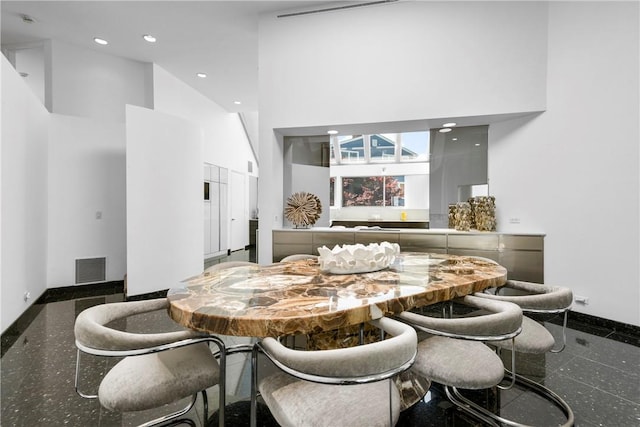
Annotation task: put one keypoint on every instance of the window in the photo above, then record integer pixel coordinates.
(373, 191)
(381, 148)
(352, 150)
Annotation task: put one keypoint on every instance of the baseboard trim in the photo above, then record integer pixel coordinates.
(604, 323)
(81, 291)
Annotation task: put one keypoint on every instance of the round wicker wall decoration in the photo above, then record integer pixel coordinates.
(303, 209)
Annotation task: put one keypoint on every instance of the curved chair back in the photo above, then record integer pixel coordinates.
(297, 257)
(313, 387)
(501, 321)
(229, 264)
(533, 296)
(454, 354)
(535, 338)
(92, 335)
(155, 369)
(346, 365)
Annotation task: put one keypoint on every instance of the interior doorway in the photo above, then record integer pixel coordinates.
(239, 218)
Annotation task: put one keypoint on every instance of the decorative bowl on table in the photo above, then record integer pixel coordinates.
(358, 258)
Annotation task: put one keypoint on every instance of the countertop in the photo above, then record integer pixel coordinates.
(404, 231)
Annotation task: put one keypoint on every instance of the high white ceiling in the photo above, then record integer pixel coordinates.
(219, 38)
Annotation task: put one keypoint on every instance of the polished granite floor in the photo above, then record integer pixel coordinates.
(598, 374)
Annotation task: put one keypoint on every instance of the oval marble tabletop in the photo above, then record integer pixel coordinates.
(297, 297)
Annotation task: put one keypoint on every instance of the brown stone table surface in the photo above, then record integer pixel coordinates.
(298, 298)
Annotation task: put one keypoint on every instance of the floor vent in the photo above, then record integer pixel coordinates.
(91, 270)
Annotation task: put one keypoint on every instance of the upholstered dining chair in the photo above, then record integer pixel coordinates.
(229, 264)
(534, 298)
(535, 338)
(453, 352)
(298, 257)
(336, 387)
(155, 369)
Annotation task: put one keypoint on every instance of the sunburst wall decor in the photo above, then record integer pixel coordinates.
(303, 209)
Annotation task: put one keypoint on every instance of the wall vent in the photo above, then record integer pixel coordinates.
(91, 270)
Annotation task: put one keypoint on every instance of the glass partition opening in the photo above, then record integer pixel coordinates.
(380, 177)
(406, 176)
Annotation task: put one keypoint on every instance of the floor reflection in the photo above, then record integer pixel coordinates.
(598, 374)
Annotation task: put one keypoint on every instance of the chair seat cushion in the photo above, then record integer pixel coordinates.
(297, 403)
(534, 338)
(142, 382)
(458, 363)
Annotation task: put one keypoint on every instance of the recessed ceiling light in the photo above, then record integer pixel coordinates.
(100, 41)
(332, 132)
(454, 139)
(445, 130)
(202, 75)
(449, 125)
(149, 38)
(237, 102)
(477, 145)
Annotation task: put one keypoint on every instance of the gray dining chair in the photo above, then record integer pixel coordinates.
(155, 368)
(535, 298)
(229, 264)
(298, 257)
(338, 387)
(453, 352)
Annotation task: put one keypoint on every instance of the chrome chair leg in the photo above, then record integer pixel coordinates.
(206, 405)
(473, 408)
(470, 407)
(513, 366)
(564, 334)
(254, 387)
(548, 395)
(173, 415)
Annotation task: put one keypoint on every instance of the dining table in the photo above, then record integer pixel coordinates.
(298, 297)
(289, 299)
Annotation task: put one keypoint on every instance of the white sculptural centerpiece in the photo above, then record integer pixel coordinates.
(358, 258)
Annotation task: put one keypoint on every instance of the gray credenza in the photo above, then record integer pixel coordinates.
(521, 254)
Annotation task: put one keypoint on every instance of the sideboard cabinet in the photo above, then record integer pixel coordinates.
(521, 254)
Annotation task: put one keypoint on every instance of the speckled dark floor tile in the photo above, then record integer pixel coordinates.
(624, 384)
(531, 409)
(625, 338)
(594, 406)
(598, 374)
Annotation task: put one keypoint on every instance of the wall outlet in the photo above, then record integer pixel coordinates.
(27, 296)
(580, 299)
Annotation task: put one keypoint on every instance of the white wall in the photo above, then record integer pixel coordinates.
(314, 180)
(572, 172)
(416, 192)
(31, 60)
(226, 143)
(89, 83)
(86, 179)
(401, 61)
(23, 191)
(165, 233)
